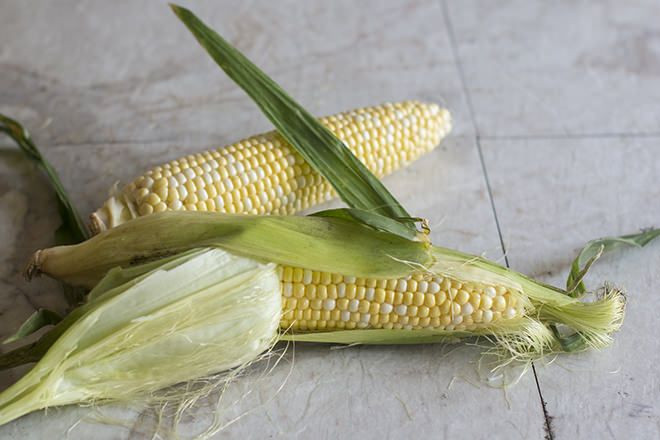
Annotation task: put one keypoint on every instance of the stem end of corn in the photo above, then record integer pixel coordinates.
(96, 223)
(33, 268)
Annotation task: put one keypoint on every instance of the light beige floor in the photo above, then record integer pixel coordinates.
(556, 141)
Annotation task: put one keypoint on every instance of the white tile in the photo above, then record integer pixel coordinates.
(554, 68)
(92, 72)
(447, 188)
(386, 392)
(552, 196)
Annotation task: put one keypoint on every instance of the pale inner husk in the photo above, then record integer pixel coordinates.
(208, 311)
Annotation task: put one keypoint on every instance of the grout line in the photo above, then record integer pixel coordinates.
(549, 432)
(468, 99)
(492, 201)
(571, 136)
(459, 67)
(513, 137)
(466, 94)
(101, 142)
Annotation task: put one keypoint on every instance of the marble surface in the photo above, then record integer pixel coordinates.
(535, 68)
(555, 143)
(575, 190)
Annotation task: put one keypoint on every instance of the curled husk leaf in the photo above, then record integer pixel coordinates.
(203, 312)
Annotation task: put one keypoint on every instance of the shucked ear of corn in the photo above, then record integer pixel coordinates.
(263, 174)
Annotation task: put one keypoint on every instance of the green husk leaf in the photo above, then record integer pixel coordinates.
(375, 221)
(208, 311)
(595, 248)
(20, 356)
(571, 342)
(522, 339)
(39, 319)
(122, 275)
(73, 229)
(575, 287)
(378, 336)
(319, 243)
(328, 155)
(117, 281)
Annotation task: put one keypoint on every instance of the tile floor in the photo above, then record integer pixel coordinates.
(556, 141)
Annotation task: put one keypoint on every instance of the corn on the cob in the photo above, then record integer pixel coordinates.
(314, 300)
(208, 307)
(265, 175)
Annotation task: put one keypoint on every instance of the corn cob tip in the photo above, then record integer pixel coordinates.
(96, 223)
(33, 268)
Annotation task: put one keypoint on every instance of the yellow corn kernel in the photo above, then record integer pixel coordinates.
(265, 170)
(311, 305)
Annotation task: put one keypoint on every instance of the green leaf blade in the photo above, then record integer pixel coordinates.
(378, 336)
(39, 319)
(373, 220)
(72, 230)
(594, 249)
(328, 155)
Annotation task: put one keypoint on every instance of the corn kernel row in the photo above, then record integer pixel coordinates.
(323, 301)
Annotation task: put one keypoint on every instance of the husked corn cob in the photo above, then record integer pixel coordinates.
(263, 174)
(323, 301)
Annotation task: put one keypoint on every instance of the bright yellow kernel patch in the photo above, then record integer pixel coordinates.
(349, 303)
